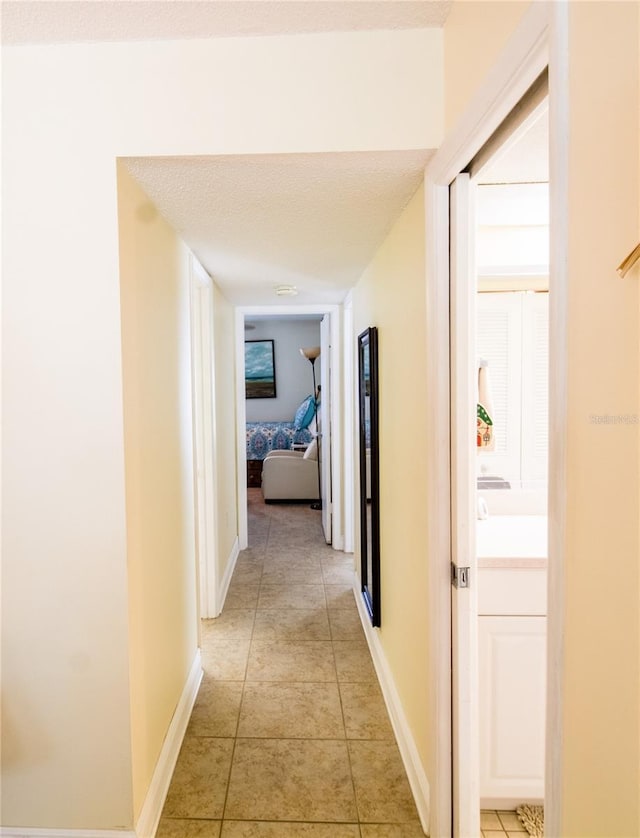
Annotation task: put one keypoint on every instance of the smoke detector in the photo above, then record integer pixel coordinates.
(286, 290)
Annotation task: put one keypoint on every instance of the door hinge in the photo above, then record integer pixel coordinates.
(460, 576)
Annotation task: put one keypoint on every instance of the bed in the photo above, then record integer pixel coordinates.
(263, 437)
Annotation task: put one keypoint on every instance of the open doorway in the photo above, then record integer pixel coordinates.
(499, 431)
(512, 359)
(321, 328)
(284, 424)
(538, 44)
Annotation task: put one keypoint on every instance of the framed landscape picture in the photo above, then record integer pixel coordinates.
(259, 369)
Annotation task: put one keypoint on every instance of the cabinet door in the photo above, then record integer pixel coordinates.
(512, 658)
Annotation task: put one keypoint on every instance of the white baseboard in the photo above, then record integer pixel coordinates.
(27, 832)
(226, 579)
(154, 801)
(406, 743)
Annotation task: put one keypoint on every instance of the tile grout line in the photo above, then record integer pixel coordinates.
(336, 635)
(244, 684)
(344, 722)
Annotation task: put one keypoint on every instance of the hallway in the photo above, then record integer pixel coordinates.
(289, 735)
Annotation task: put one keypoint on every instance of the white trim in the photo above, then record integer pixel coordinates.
(241, 434)
(336, 411)
(464, 601)
(326, 419)
(204, 434)
(156, 794)
(401, 727)
(438, 534)
(337, 430)
(27, 832)
(523, 59)
(226, 579)
(348, 344)
(541, 38)
(558, 389)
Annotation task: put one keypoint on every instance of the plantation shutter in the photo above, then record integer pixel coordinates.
(513, 336)
(499, 342)
(535, 391)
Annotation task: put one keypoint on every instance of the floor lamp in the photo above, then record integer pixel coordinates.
(311, 353)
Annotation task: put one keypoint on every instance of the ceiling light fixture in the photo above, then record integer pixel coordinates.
(286, 290)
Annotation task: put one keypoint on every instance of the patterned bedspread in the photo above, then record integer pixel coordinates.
(263, 437)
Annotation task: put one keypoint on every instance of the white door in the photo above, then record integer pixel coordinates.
(203, 435)
(464, 600)
(325, 426)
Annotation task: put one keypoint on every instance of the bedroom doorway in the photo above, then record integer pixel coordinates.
(328, 320)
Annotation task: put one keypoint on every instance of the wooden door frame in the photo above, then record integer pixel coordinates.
(540, 40)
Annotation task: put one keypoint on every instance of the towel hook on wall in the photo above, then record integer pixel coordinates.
(625, 266)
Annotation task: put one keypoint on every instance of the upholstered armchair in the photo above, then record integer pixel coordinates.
(291, 475)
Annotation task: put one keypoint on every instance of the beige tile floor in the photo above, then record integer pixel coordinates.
(498, 824)
(289, 736)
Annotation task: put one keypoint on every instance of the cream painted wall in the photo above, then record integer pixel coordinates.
(474, 34)
(225, 419)
(391, 296)
(161, 559)
(601, 745)
(601, 755)
(66, 758)
(68, 112)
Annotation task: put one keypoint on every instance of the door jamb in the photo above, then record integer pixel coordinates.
(348, 390)
(540, 40)
(201, 293)
(465, 733)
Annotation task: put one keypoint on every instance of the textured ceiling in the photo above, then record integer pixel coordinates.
(258, 221)
(64, 21)
(311, 220)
